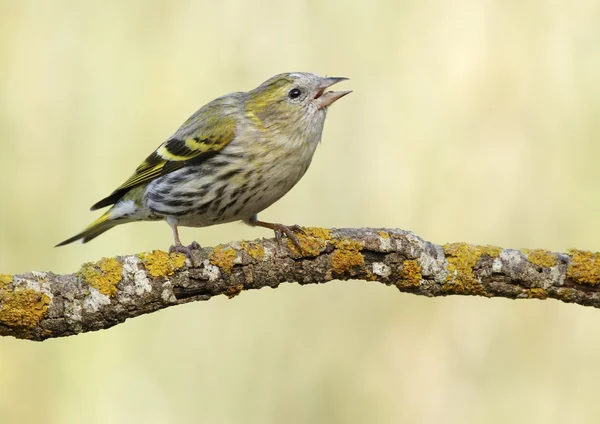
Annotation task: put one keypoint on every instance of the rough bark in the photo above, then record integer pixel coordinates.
(40, 305)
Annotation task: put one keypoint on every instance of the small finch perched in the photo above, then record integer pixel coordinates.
(229, 161)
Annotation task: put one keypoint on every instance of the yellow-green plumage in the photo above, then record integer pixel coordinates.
(233, 158)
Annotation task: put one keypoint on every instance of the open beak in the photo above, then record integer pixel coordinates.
(324, 99)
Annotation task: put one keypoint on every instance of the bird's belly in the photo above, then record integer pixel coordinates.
(200, 197)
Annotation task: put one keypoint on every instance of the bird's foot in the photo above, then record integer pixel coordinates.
(279, 230)
(186, 250)
(289, 231)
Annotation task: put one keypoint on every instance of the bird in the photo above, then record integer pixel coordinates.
(233, 158)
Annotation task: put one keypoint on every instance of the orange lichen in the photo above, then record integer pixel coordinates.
(541, 257)
(584, 267)
(103, 275)
(383, 234)
(162, 264)
(23, 308)
(411, 274)
(223, 257)
(369, 276)
(536, 293)
(312, 241)
(233, 291)
(5, 280)
(316, 232)
(462, 258)
(345, 260)
(345, 244)
(256, 251)
(346, 256)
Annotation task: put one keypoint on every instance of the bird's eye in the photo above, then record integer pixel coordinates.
(294, 93)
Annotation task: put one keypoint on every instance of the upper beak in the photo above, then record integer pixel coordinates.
(324, 99)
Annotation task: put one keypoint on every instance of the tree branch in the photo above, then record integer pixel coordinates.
(40, 305)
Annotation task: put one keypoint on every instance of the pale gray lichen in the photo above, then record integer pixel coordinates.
(385, 243)
(95, 300)
(168, 296)
(381, 269)
(497, 265)
(433, 263)
(141, 283)
(210, 271)
(268, 253)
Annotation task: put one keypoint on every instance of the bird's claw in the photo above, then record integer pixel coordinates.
(186, 250)
(289, 231)
(297, 229)
(195, 245)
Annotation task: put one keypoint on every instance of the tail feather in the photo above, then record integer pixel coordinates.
(102, 224)
(110, 200)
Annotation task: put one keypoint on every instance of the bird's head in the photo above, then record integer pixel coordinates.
(293, 100)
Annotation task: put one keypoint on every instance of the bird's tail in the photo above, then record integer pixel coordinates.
(102, 224)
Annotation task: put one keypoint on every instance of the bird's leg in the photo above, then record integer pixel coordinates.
(178, 247)
(173, 224)
(279, 229)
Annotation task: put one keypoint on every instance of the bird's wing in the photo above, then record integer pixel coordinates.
(203, 135)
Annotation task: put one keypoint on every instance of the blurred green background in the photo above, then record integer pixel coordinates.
(470, 121)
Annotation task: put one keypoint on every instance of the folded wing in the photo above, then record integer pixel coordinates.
(202, 136)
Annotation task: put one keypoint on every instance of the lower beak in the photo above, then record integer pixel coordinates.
(324, 99)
